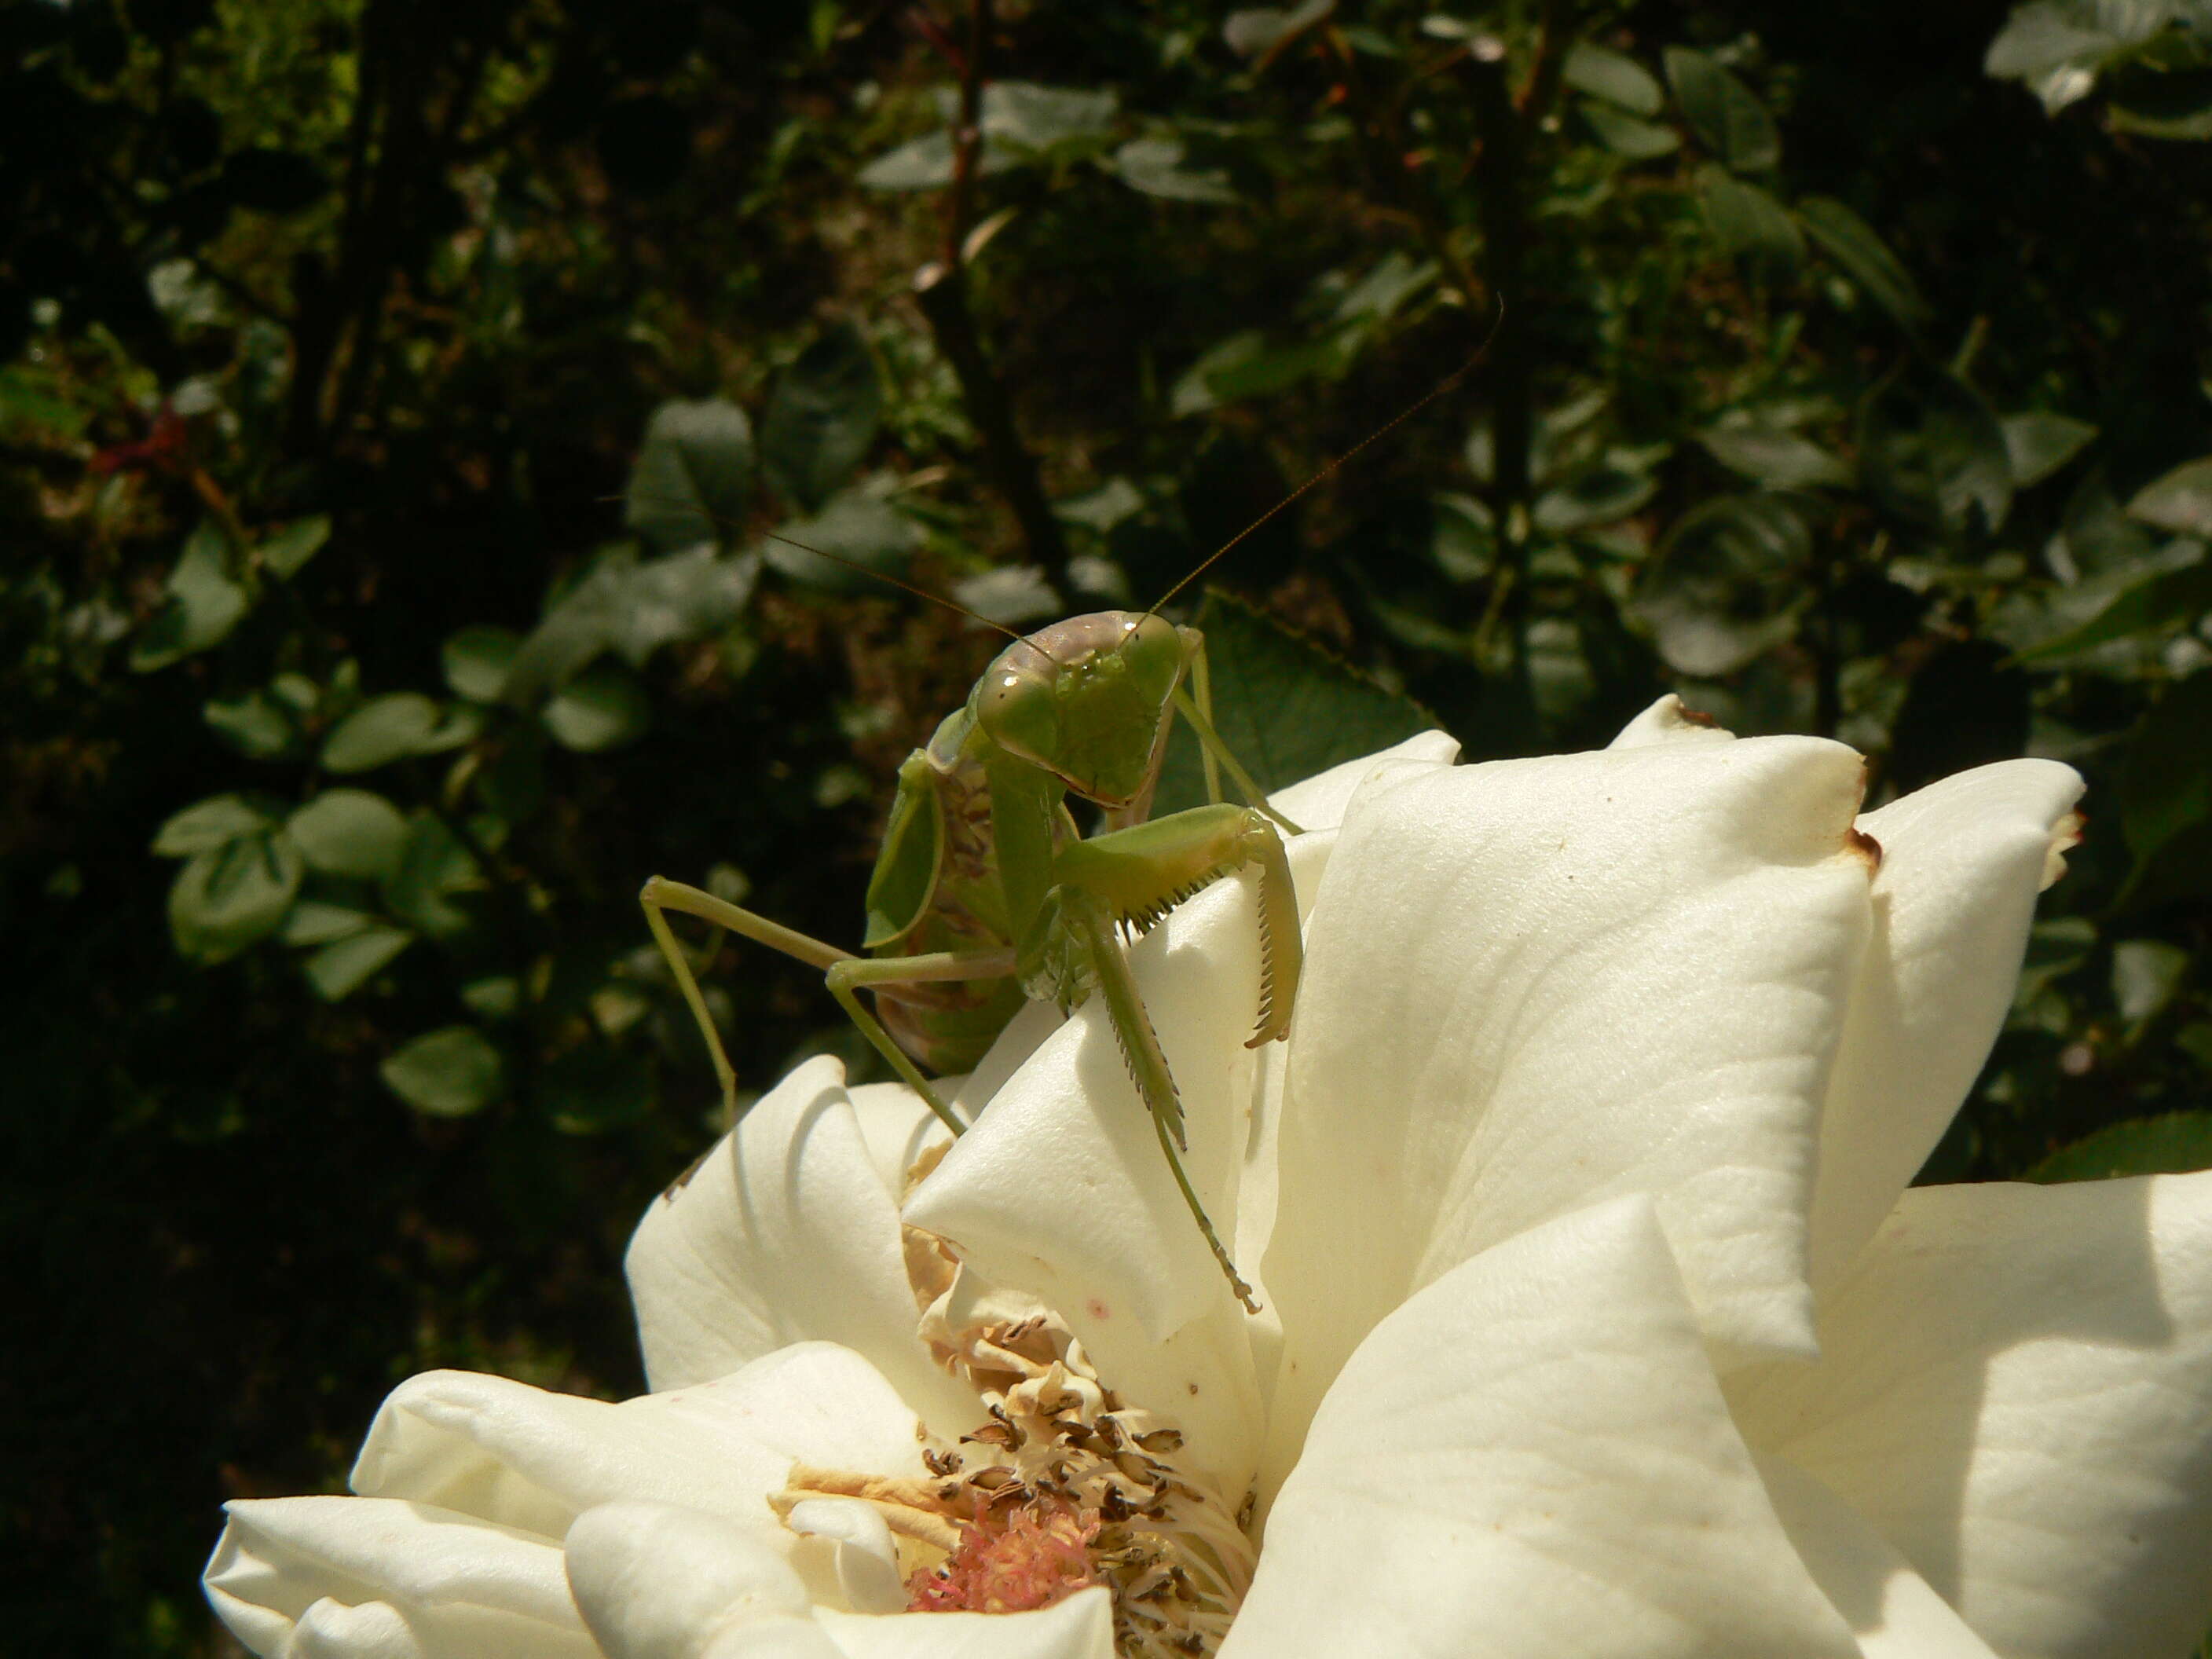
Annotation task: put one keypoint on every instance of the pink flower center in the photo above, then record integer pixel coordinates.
(1013, 1559)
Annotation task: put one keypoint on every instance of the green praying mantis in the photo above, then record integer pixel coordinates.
(987, 892)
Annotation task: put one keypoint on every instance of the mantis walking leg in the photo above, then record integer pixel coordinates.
(844, 971)
(1201, 690)
(1196, 707)
(848, 978)
(660, 895)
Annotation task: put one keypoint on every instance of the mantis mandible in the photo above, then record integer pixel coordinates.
(987, 892)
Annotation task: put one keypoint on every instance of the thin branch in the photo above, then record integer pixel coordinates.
(941, 290)
(1501, 201)
(942, 293)
(967, 138)
(1542, 87)
(1383, 150)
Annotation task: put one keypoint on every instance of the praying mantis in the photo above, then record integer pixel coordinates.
(987, 893)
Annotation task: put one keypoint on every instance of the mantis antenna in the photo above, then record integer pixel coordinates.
(1382, 431)
(1327, 470)
(867, 570)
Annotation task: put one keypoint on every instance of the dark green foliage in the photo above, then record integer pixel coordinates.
(1286, 710)
(449, 456)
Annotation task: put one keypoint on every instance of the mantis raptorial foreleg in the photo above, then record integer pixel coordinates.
(1089, 918)
(1132, 878)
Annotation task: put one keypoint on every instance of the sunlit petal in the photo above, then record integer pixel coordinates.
(1081, 1627)
(1891, 1609)
(529, 1458)
(460, 1588)
(2016, 1391)
(1961, 863)
(1535, 984)
(1531, 1457)
(786, 1232)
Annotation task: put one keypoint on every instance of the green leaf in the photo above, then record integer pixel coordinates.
(2039, 441)
(686, 596)
(1777, 459)
(2174, 1143)
(1864, 257)
(2157, 603)
(256, 724)
(1597, 495)
(351, 832)
(1932, 452)
(823, 416)
(632, 608)
(603, 707)
(1246, 365)
(1745, 219)
(495, 996)
(207, 825)
(448, 1073)
(1384, 291)
(433, 869)
(2181, 501)
(1039, 118)
(2166, 780)
(1286, 709)
(693, 476)
(1727, 585)
(286, 552)
(311, 922)
(1728, 118)
(476, 659)
(1613, 76)
(382, 730)
(926, 163)
(340, 968)
(1966, 704)
(2146, 973)
(862, 529)
(226, 898)
(205, 603)
(1261, 32)
(1625, 136)
(1163, 168)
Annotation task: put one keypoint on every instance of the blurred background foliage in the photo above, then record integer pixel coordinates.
(397, 398)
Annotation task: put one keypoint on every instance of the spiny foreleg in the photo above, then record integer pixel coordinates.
(1142, 874)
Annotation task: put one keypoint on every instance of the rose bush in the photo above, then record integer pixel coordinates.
(1597, 1316)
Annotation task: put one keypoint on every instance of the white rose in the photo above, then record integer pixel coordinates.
(1597, 1317)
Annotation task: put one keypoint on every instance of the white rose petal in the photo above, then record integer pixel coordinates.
(1961, 863)
(785, 1232)
(1535, 984)
(463, 1587)
(1531, 1456)
(2016, 1392)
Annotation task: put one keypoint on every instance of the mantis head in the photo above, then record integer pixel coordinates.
(1088, 700)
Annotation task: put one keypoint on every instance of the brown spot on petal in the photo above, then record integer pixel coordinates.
(1857, 839)
(1689, 716)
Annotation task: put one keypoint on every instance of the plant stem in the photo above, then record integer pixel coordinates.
(1499, 199)
(941, 290)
